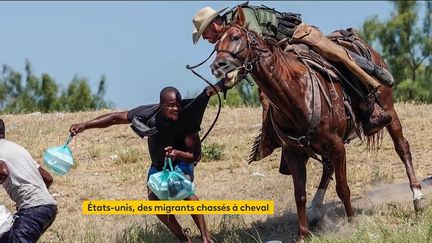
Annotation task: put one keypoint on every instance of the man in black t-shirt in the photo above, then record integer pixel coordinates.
(174, 124)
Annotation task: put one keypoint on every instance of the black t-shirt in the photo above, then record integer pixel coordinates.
(170, 133)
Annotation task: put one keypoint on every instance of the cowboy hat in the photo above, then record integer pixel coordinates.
(202, 19)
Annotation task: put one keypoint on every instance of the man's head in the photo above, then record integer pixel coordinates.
(170, 103)
(208, 23)
(2, 129)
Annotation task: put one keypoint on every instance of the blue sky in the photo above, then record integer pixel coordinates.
(140, 46)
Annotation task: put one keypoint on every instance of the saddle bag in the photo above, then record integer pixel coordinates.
(287, 22)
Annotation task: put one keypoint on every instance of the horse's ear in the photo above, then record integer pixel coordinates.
(240, 16)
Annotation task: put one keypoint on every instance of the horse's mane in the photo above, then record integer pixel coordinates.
(284, 62)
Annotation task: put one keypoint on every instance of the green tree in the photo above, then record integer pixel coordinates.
(49, 92)
(98, 99)
(11, 84)
(42, 94)
(78, 96)
(406, 46)
(30, 95)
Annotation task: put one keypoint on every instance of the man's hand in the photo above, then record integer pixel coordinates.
(210, 91)
(77, 128)
(170, 152)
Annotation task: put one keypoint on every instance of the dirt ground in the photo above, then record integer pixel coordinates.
(112, 164)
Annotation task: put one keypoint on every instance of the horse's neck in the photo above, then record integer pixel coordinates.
(284, 81)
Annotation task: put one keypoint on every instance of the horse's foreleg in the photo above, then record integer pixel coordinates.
(403, 150)
(296, 161)
(338, 157)
(314, 210)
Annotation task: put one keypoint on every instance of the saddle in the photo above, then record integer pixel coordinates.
(350, 40)
(266, 141)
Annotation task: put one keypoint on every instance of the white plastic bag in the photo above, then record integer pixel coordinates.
(6, 220)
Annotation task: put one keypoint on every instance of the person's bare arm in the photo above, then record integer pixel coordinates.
(4, 171)
(193, 150)
(103, 121)
(46, 176)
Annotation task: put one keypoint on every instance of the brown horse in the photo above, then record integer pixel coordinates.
(304, 126)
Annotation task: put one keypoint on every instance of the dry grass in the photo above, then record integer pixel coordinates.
(112, 164)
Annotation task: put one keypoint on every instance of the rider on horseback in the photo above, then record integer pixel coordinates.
(288, 28)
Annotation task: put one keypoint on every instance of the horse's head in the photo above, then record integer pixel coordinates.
(235, 51)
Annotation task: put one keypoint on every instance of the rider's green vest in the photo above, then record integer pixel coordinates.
(259, 19)
(266, 21)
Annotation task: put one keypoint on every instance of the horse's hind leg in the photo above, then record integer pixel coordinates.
(315, 208)
(403, 150)
(296, 161)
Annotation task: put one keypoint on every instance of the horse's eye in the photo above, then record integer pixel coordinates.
(236, 38)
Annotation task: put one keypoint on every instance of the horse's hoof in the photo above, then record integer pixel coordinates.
(420, 204)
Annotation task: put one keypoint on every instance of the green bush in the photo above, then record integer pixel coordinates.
(212, 152)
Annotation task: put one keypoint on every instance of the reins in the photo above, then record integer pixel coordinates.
(209, 83)
(247, 65)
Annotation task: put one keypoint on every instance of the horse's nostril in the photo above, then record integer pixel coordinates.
(222, 63)
(219, 64)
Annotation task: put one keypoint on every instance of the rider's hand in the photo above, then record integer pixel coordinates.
(77, 128)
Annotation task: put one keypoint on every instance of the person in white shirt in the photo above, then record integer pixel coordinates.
(27, 185)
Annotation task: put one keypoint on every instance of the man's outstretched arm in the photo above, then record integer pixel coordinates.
(103, 121)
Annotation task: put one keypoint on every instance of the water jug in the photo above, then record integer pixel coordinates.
(59, 159)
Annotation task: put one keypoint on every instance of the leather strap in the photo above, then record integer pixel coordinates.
(314, 121)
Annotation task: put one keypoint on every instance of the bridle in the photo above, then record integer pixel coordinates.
(248, 63)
